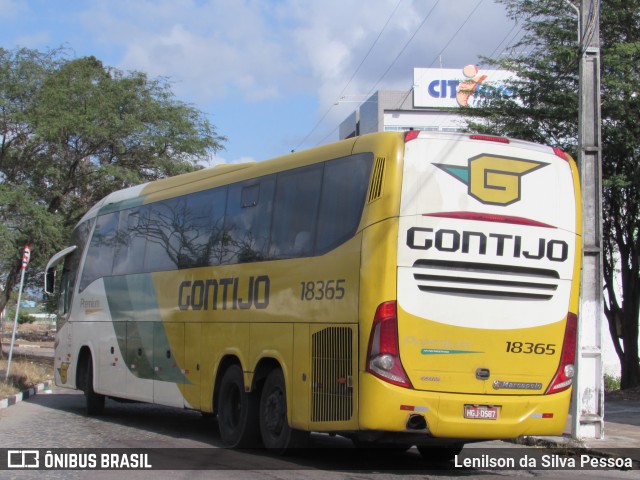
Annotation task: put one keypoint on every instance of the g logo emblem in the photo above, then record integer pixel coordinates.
(492, 179)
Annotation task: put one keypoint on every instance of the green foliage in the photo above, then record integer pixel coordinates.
(25, 220)
(546, 61)
(24, 317)
(73, 131)
(611, 383)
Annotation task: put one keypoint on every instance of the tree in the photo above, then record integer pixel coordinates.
(545, 109)
(74, 130)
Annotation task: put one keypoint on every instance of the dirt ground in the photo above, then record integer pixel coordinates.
(27, 369)
(29, 333)
(628, 394)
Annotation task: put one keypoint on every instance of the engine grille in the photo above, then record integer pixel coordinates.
(332, 376)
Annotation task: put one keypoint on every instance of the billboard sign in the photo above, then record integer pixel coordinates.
(451, 88)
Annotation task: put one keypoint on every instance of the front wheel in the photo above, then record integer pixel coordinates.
(277, 435)
(94, 401)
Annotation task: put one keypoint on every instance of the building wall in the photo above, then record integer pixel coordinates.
(394, 111)
(370, 121)
(349, 127)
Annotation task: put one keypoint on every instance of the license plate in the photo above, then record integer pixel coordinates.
(481, 412)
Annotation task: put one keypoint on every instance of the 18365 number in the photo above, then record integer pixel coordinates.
(322, 290)
(528, 347)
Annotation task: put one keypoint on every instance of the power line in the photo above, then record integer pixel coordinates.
(515, 25)
(352, 76)
(424, 20)
(457, 32)
(448, 43)
(370, 49)
(404, 47)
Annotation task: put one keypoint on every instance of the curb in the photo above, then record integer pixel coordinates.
(41, 388)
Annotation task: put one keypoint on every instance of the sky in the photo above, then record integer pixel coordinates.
(272, 75)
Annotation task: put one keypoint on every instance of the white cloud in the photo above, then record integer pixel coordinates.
(261, 49)
(12, 8)
(236, 58)
(214, 48)
(266, 49)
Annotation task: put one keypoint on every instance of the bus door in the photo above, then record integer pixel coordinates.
(168, 357)
(154, 362)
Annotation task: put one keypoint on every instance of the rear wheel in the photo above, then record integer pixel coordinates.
(237, 411)
(439, 454)
(276, 433)
(94, 401)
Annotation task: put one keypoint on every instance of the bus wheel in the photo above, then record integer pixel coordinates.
(94, 401)
(277, 435)
(237, 411)
(439, 454)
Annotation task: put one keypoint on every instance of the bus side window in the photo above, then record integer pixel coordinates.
(70, 273)
(204, 229)
(99, 260)
(344, 188)
(66, 290)
(129, 243)
(248, 221)
(163, 231)
(295, 212)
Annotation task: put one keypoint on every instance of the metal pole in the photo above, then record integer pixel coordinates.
(25, 260)
(588, 391)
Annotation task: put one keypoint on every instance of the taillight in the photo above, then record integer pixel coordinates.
(411, 135)
(560, 153)
(489, 138)
(383, 356)
(564, 376)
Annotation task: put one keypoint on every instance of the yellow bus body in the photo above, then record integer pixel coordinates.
(168, 336)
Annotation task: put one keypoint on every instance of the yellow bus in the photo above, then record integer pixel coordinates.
(395, 288)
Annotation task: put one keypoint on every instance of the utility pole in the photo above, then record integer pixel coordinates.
(588, 390)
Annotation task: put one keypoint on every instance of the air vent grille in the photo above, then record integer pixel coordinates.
(332, 376)
(485, 280)
(377, 178)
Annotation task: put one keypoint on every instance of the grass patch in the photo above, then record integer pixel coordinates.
(25, 373)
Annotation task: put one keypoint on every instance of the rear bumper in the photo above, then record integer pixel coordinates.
(387, 408)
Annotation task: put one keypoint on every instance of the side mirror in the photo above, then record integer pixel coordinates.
(50, 281)
(50, 271)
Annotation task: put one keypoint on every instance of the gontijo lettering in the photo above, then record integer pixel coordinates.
(230, 293)
(498, 244)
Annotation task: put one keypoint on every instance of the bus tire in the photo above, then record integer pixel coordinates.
(94, 401)
(439, 454)
(277, 435)
(237, 411)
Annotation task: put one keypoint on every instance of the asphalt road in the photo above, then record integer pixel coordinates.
(58, 420)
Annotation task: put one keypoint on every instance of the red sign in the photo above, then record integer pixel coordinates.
(25, 256)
